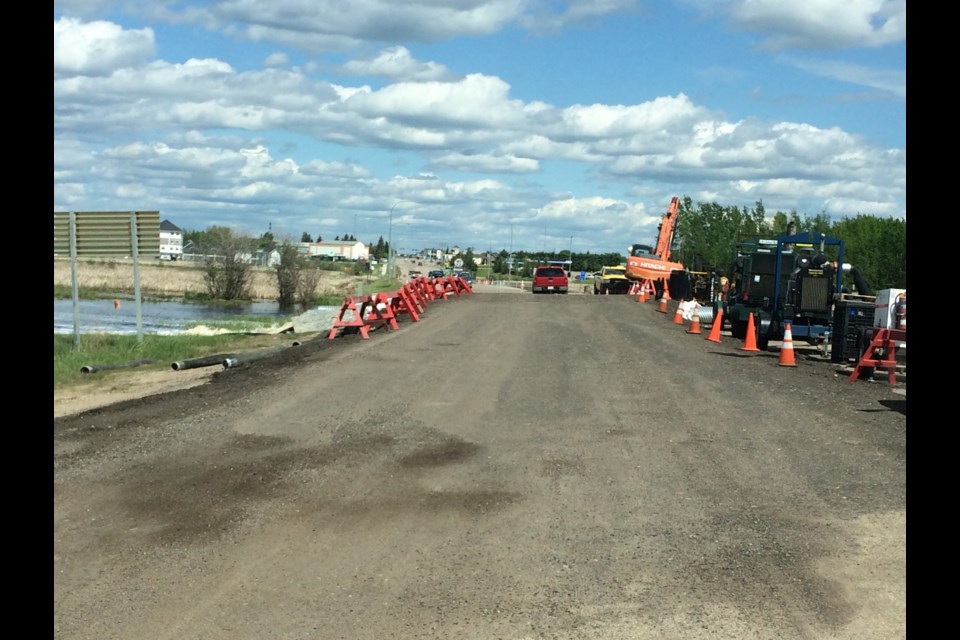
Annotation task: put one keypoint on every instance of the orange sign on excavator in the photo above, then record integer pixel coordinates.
(648, 263)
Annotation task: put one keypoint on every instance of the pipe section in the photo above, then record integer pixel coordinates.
(95, 368)
(208, 361)
(239, 359)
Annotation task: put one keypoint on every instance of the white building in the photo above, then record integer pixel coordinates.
(339, 250)
(171, 241)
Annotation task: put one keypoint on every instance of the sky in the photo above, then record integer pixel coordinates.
(534, 125)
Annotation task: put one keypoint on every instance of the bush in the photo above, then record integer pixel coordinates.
(227, 275)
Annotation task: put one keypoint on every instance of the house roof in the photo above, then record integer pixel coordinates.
(166, 225)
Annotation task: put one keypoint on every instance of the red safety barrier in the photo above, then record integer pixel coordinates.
(373, 312)
(455, 285)
(402, 303)
(463, 285)
(422, 286)
(418, 295)
(884, 340)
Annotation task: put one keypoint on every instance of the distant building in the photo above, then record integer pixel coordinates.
(339, 250)
(171, 241)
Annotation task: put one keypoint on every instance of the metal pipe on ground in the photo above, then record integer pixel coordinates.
(251, 356)
(206, 361)
(95, 368)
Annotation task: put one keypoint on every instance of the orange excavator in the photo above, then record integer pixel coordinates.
(649, 265)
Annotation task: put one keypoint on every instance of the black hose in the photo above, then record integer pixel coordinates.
(207, 361)
(861, 283)
(94, 368)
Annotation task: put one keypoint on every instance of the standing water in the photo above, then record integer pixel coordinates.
(162, 318)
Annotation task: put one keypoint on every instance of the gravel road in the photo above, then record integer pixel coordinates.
(511, 466)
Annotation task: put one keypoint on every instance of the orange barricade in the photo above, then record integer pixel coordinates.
(401, 302)
(449, 285)
(417, 295)
(372, 312)
(462, 285)
(382, 310)
(884, 340)
(427, 288)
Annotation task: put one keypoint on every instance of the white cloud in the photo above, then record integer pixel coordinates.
(130, 130)
(396, 63)
(323, 25)
(889, 81)
(98, 48)
(277, 59)
(822, 24)
(485, 163)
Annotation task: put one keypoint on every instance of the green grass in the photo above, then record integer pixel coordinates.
(118, 350)
(110, 350)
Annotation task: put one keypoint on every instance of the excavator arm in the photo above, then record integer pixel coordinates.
(657, 265)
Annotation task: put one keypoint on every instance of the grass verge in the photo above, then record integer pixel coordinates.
(99, 350)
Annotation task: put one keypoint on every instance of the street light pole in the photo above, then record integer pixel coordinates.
(390, 238)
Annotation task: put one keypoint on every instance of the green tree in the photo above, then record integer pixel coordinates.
(468, 264)
(267, 243)
(877, 247)
(207, 240)
(379, 251)
(228, 268)
(305, 237)
(288, 277)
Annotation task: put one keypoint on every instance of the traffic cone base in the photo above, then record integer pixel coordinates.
(750, 344)
(714, 335)
(786, 351)
(694, 324)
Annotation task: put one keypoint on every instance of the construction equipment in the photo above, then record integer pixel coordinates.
(611, 280)
(788, 279)
(653, 263)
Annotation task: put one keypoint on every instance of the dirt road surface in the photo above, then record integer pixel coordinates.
(511, 466)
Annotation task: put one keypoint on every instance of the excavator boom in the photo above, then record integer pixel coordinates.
(657, 265)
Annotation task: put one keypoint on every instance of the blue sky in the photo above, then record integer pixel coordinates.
(523, 124)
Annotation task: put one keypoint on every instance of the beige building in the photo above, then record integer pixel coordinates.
(347, 250)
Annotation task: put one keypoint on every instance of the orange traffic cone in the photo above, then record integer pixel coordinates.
(694, 324)
(714, 335)
(750, 344)
(662, 308)
(786, 351)
(642, 296)
(678, 317)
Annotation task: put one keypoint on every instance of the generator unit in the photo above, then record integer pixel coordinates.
(786, 279)
(851, 318)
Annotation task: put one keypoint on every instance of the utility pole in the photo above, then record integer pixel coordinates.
(510, 270)
(390, 238)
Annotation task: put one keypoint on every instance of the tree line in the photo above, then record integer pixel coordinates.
(707, 236)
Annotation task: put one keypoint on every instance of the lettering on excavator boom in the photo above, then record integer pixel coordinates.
(642, 264)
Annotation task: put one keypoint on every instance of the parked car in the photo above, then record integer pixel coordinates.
(436, 273)
(550, 280)
(467, 277)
